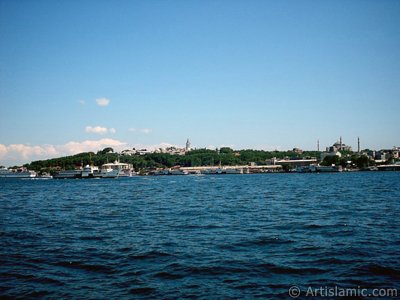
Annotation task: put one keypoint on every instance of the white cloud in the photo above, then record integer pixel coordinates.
(162, 145)
(96, 129)
(89, 145)
(102, 101)
(3, 151)
(99, 130)
(146, 130)
(16, 154)
(82, 102)
(141, 130)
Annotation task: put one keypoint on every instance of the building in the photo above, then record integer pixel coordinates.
(188, 145)
(338, 146)
(292, 162)
(330, 154)
(297, 151)
(136, 152)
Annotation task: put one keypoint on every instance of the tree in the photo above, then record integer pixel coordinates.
(106, 150)
(330, 160)
(362, 161)
(225, 150)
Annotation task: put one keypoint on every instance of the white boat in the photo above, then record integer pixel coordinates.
(18, 173)
(90, 171)
(218, 171)
(179, 172)
(44, 176)
(116, 169)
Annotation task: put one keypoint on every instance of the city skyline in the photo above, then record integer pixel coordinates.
(79, 77)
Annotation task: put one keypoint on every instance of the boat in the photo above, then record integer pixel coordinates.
(325, 169)
(391, 167)
(17, 173)
(90, 172)
(44, 176)
(218, 171)
(179, 172)
(68, 174)
(116, 169)
(161, 172)
(303, 169)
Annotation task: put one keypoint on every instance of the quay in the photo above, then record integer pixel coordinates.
(229, 169)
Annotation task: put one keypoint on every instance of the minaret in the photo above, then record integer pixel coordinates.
(358, 144)
(318, 145)
(187, 145)
(341, 143)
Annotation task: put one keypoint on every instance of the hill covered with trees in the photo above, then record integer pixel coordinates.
(199, 157)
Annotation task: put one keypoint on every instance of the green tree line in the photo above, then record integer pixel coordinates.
(199, 157)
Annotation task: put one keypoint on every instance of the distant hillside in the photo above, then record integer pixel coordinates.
(199, 157)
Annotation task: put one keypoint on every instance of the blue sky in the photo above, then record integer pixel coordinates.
(246, 74)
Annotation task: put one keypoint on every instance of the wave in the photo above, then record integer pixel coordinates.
(142, 290)
(259, 241)
(377, 269)
(278, 269)
(149, 255)
(86, 267)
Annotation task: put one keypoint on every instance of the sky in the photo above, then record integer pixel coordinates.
(84, 75)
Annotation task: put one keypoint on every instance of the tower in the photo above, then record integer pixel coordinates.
(341, 144)
(187, 145)
(318, 145)
(358, 144)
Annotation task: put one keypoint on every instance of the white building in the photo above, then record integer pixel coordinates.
(330, 154)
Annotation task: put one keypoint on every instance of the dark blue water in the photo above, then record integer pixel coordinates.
(227, 236)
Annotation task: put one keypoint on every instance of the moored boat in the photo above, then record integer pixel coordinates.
(116, 169)
(325, 169)
(18, 173)
(90, 171)
(179, 172)
(68, 174)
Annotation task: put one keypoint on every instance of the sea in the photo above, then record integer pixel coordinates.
(199, 237)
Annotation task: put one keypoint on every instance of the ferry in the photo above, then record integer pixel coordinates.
(318, 169)
(325, 169)
(91, 172)
(392, 167)
(68, 174)
(116, 169)
(19, 173)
